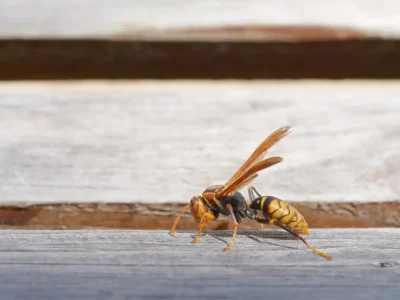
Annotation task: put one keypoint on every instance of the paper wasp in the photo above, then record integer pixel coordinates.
(226, 200)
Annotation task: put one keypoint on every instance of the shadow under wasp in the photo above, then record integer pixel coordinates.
(226, 200)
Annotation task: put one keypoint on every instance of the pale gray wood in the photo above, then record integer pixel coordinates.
(149, 18)
(265, 264)
(166, 141)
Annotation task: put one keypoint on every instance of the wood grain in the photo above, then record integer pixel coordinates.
(157, 142)
(151, 264)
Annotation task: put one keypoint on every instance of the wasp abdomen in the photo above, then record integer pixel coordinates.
(276, 209)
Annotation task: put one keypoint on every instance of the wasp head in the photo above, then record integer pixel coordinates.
(197, 208)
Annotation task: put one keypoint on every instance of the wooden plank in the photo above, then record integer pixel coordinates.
(46, 40)
(100, 59)
(208, 19)
(151, 264)
(161, 216)
(163, 142)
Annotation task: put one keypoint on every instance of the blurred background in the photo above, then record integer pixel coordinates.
(113, 114)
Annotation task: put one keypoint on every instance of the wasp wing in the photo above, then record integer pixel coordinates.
(246, 182)
(246, 176)
(259, 153)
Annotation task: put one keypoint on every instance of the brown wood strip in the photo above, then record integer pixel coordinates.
(104, 59)
(161, 216)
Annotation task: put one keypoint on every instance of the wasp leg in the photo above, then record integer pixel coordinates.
(203, 225)
(201, 228)
(296, 235)
(177, 220)
(234, 231)
(251, 190)
(251, 194)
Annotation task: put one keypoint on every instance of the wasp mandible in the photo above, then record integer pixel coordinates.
(225, 199)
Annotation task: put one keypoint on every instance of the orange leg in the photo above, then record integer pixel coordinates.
(203, 225)
(328, 257)
(177, 219)
(234, 231)
(297, 236)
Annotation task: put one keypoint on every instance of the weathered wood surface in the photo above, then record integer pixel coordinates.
(158, 142)
(195, 19)
(152, 265)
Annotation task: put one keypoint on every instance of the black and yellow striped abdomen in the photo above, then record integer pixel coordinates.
(276, 209)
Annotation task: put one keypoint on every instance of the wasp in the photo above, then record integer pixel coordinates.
(227, 200)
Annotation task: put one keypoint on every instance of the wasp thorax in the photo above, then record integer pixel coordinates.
(197, 207)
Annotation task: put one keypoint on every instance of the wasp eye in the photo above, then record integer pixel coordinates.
(197, 207)
(194, 204)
